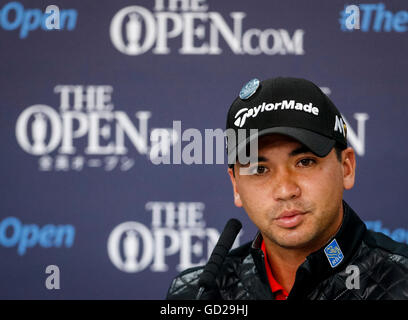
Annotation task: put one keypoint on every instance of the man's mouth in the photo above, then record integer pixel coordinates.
(290, 219)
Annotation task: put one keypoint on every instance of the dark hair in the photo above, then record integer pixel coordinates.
(338, 148)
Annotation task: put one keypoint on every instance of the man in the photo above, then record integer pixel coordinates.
(311, 244)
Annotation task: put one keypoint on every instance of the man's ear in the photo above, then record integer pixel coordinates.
(349, 167)
(237, 198)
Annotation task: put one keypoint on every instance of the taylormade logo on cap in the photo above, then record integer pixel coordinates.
(244, 113)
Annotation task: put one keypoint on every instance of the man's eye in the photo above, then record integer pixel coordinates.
(258, 170)
(306, 162)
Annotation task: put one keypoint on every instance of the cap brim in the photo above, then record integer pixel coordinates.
(318, 144)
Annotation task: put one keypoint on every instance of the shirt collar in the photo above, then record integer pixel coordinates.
(275, 285)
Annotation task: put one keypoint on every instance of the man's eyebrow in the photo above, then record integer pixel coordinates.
(262, 159)
(302, 149)
(259, 159)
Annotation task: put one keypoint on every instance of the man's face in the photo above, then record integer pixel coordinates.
(293, 196)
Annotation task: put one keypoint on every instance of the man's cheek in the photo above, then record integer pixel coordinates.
(253, 213)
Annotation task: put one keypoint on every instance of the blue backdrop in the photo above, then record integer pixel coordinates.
(87, 109)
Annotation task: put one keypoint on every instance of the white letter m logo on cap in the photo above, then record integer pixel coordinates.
(339, 126)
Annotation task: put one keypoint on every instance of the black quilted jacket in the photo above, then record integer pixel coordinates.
(382, 263)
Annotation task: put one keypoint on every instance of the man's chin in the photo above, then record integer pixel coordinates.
(294, 240)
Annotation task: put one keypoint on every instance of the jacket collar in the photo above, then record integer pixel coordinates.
(328, 260)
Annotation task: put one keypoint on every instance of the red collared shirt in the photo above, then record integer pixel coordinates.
(276, 288)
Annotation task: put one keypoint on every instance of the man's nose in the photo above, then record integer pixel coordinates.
(285, 186)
